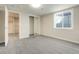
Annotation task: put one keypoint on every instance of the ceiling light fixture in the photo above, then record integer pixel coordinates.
(35, 5)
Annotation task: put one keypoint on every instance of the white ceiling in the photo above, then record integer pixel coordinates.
(44, 9)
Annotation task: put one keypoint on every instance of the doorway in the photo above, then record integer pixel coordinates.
(31, 22)
(13, 24)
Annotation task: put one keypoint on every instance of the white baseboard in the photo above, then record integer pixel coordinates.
(65, 39)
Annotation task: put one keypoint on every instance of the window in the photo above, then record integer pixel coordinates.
(63, 20)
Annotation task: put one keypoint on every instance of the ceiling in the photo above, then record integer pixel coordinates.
(43, 9)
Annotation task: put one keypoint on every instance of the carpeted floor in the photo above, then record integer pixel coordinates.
(39, 45)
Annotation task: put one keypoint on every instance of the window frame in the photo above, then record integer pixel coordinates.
(70, 10)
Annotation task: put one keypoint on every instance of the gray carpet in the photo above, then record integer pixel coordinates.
(39, 45)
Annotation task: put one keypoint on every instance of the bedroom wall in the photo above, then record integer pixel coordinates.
(47, 27)
(2, 26)
(24, 25)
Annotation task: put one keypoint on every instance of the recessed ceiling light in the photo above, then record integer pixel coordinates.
(36, 5)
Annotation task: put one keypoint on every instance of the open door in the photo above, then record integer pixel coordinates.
(13, 24)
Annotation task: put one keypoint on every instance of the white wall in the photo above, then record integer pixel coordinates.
(47, 27)
(2, 26)
(24, 25)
